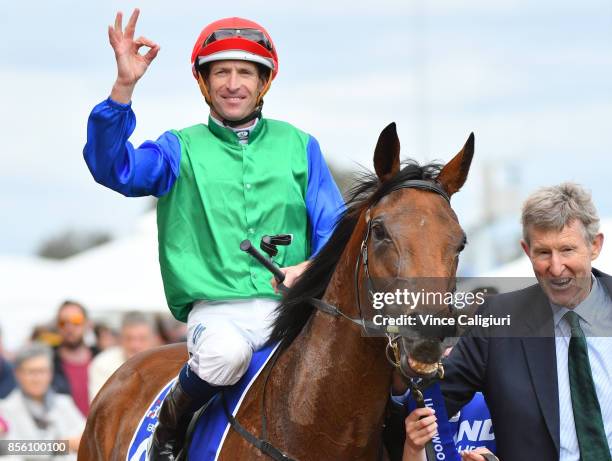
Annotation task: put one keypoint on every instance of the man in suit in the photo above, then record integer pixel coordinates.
(546, 380)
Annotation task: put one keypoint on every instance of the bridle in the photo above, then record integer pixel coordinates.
(393, 334)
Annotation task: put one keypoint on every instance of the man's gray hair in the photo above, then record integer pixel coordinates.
(33, 350)
(552, 208)
(138, 318)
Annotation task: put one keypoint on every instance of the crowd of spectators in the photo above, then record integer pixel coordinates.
(48, 384)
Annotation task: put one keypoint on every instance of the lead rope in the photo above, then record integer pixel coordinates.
(417, 395)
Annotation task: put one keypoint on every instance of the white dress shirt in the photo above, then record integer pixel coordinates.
(595, 314)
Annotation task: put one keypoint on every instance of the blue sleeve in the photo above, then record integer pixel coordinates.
(401, 399)
(324, 202)
(151, 169)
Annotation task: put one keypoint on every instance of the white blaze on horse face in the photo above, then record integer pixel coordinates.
(422, 222)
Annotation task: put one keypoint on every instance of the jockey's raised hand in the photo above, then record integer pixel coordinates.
(131, 65)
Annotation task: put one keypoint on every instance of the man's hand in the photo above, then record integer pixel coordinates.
(130, 64)
(292, 273)
(475, 455)
(418, 432)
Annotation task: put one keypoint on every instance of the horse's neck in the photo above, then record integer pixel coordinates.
(331, 381)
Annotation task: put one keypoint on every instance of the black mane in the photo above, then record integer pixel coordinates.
(295, 310)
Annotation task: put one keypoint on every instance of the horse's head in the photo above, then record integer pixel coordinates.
(411, 245)
(398, 232)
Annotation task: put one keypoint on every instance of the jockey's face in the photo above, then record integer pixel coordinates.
(561, 261)
(233, 87)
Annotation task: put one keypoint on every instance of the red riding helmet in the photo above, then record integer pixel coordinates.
(235, 38)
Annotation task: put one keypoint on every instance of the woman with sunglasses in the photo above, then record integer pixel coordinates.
(240, 176)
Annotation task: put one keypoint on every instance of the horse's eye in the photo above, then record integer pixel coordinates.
(379, 231)
(462, 245)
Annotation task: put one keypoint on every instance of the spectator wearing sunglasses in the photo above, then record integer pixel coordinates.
(240, 176)
(71, 359)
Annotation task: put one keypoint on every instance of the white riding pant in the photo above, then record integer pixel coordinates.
(222, 336)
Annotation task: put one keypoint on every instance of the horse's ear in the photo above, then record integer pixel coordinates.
(386, 154)
(455, 172)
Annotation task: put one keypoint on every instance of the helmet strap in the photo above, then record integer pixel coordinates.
(204, 88)
(265, 89)
(252, 116)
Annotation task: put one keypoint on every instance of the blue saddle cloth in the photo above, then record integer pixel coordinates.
(212, 427)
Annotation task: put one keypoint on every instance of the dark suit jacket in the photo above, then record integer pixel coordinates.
(517, 375)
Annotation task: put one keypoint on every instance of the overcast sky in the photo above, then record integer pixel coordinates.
(533, 80)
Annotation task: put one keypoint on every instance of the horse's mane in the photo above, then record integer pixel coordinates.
(295, 310)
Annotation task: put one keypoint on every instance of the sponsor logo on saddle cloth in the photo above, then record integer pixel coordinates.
(142, 437)
(212, 427)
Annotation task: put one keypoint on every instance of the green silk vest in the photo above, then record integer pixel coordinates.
(227, 192)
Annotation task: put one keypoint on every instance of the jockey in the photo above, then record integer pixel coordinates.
(240, 176)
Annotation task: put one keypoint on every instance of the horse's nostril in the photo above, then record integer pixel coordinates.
(426, 350)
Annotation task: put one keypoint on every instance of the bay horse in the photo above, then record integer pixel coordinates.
(327, 390)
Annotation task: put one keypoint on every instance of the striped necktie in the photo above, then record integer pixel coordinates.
(587, 413)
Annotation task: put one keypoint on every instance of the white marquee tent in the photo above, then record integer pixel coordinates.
(119, 276)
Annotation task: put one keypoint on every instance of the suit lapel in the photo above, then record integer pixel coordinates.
(605, 280)
(541, 357)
